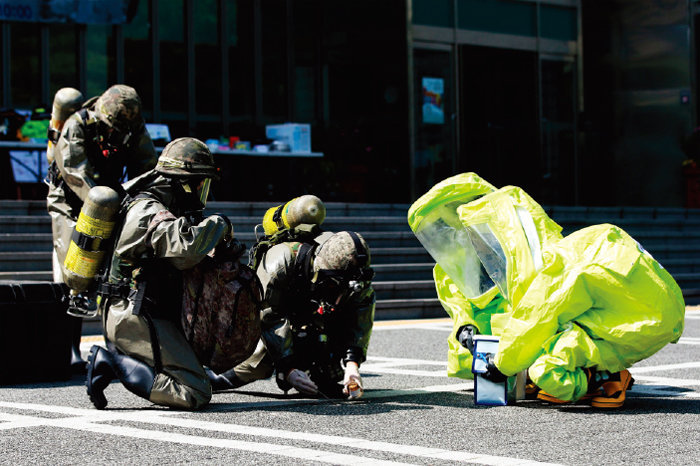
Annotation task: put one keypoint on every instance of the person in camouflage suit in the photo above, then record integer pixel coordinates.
(96, 144)
(163, 233)
(317, 317)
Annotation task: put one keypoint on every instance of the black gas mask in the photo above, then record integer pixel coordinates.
(111, 140)
(332, 288)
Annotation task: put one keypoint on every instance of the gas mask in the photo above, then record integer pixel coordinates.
(110, 139)
(332, 288)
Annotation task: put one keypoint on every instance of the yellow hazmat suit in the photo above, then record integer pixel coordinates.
(593, 299)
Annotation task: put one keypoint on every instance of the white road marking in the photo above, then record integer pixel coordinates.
(665, 367)
(89, 421)
(382, 365)
(689, 341)
(309, 454)
(439, 326)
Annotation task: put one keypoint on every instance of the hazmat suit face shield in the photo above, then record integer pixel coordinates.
(435, 222)
(505, 239)
(450, 244)
(491, 257)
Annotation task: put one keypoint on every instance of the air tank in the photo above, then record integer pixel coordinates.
(90, 237)
(66, 102)
(303, 209)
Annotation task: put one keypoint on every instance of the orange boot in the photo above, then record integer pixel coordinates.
(612, 394)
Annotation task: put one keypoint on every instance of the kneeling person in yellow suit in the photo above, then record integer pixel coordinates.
(576, 312)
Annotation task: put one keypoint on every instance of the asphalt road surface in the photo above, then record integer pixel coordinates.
(411, 414)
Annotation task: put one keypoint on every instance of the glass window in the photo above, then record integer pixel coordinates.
(24, 64)
(173, 57)
(63, 66)
(433, 13)
(500, 16)
(306, 39)
(239, 24)
(138, 59)
(207, 62)
(558, 22)
(274, 61)
(99, 54)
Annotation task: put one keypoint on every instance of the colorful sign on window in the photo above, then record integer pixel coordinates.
(433, 100)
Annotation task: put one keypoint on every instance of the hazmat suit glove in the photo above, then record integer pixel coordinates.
(465, 336)
(228, 233)
(492, 373)
(352, 382)
(301, 381)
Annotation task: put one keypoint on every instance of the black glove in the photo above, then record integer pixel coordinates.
(492, 373)
(218, 382)
(465, 336)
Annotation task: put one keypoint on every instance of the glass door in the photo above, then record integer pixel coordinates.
(559, 162)
(434, 115)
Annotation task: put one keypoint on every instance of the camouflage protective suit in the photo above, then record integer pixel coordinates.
(290, 323)
(156, 243)
(83, 158)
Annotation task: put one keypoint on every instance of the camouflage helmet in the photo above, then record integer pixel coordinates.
(342, 251)
(187, 157)
(119, 107)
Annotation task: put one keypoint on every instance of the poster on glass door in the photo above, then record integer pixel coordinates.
(433, 100)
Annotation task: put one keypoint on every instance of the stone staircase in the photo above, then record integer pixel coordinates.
(403, 279)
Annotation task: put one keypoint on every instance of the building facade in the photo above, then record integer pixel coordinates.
(577, 101)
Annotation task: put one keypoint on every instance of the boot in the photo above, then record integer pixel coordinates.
(99, 375)
(612, 392)
(104, 366)
(77, 364)
(225, 381)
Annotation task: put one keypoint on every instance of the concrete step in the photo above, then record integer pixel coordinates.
(252, 209)
(402, 272)
(407, 289)
(409, 309)
(17, 207)
(24, 224)
(31, 275)
(612, 214)
(333, 209)
(16, 242)
(399, 255)
(634, 226)
(681, 266)
(40, 259)
(25, 261)
(42, 224)
(43, 241)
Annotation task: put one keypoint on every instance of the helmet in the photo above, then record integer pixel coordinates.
(342, 251)
(119, 107)
(341, 267)
(187, 158)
